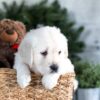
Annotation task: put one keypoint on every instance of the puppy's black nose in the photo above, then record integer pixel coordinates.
(54, 68)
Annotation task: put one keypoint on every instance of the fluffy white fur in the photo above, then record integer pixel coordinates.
(31, 56)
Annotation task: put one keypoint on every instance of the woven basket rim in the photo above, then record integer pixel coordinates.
(13, 72)
(7, 70)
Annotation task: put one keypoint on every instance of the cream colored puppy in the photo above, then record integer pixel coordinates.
(43, 51)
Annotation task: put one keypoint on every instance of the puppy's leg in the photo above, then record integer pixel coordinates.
(23, 73)
(23, 76)
(75, 85)
(49, 81)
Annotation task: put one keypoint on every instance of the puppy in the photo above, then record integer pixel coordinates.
(43, 51)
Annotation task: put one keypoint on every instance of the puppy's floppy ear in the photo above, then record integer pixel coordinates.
(26, 52)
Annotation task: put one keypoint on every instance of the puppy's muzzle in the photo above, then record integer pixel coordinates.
(54, 68)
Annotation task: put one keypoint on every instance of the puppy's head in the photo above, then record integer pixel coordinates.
(47, 51)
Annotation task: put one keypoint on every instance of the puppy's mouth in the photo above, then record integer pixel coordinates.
(53, 71)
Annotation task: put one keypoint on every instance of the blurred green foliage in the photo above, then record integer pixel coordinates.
(88, 75)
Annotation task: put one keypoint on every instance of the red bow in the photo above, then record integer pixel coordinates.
(15, 46)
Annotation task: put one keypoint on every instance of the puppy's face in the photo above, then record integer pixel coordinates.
(50, 51)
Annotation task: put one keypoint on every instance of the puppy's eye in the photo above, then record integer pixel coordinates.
(59, 52)
(44, 53)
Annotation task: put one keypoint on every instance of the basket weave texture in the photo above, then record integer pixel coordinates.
(9, 89)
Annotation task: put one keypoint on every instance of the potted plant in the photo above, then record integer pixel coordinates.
(88, 76)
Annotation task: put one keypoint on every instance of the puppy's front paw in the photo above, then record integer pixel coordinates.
(50, 81)
(75, 85)
(24, 80)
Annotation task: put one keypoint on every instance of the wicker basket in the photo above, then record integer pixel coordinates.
(9, 89)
